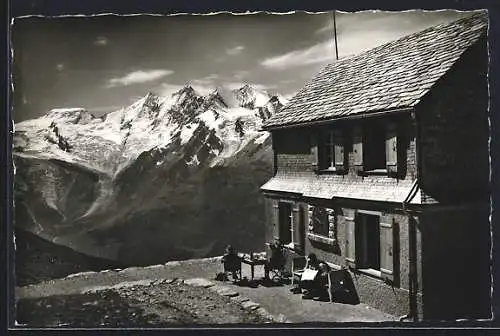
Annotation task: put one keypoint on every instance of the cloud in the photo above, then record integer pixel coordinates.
(357, 33)
(140, 76)
(358, 42)
(240, 74)
(209, 83)
(203, 86)
(325, 29)
(328, 28)
(215, 58)
(289, 95)
(207, 80)
(237, 85)
(234, 51)
(228, 52)
(318, 53)
(382, 20)
(206, 85)
(101, 41)
(167, 89)
(100, 110)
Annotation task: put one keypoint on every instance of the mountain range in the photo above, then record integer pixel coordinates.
(165, 178)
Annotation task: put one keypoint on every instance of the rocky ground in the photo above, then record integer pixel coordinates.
(136, 304)
(164, 303)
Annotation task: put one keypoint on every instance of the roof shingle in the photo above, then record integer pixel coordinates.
(392, 76)
(334, 186)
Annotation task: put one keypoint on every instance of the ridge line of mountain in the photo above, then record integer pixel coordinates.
(163, 173)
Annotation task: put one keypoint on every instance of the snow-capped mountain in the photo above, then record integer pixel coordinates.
(102, 185)
(151, 123)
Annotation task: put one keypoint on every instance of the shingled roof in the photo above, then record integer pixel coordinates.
(334, 186)
(392, 76)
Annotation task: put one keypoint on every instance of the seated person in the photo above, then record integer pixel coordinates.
(276, 260)
(231, 261)
(315, 287)
(312, 263)
(321, 281)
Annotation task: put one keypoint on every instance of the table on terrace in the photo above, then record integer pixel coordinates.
(252, 262)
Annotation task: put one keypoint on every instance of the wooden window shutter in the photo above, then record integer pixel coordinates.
(275, 218)
(296, 225)
(350, 242)
(339, 149)
(386, 249)
(304, 222)
(332, 224)
(391, 148)
(357, 147)
(314, 151)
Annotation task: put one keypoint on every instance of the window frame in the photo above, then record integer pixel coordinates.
(326, 150)
(390, 137)
(297, 224)
(290, 226)
(320, 229)
(368, 139)
(328, 140)
(362, 264)
(388, 245)
(331, 224)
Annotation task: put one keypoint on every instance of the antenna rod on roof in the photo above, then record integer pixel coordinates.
(335, 36)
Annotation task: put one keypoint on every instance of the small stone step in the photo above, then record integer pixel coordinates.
(250, 305)
(280, 318)
(240, 299)
(168, 281)
(224, 290)
(217, 288)
(199, 282)
(230, 293)
(264, 313)
(227, 292)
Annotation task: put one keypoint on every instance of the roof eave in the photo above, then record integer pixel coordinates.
(334, 119)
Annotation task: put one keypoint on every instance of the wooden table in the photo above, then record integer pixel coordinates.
(254, 262)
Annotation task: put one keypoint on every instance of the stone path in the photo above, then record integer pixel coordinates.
(275, 301)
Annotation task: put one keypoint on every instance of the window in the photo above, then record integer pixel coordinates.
(320, 221)
(370, 239)
(287, 218)
(374, 155)
(285, 222)
(322, 225)
(327, 151)
(375, 147)
(331, 150)
(368, 242)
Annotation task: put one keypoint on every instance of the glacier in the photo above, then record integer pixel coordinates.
(147, 183)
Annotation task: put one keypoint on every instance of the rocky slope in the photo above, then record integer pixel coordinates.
(38, 260)
(165, 178)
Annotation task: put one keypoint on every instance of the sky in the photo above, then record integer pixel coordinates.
(103, 63)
